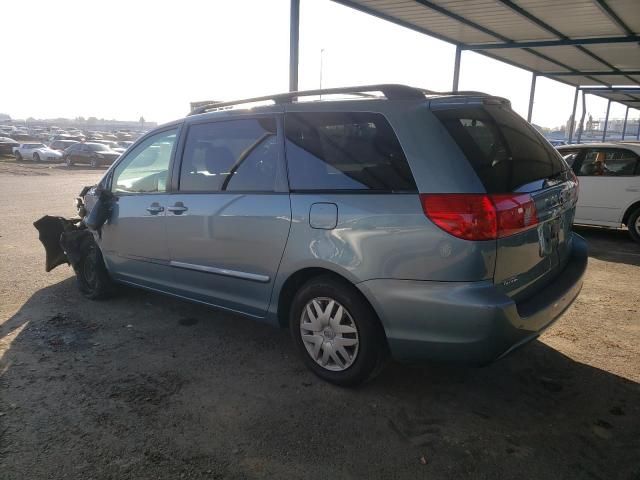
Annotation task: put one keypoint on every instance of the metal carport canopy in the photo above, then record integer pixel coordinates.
(577, 42)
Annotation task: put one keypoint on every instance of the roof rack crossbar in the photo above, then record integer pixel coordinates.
(390, 91)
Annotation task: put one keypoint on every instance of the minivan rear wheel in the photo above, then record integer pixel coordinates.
(336, 332)
(633, 224)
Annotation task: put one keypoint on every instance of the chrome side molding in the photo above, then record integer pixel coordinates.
(221, 271)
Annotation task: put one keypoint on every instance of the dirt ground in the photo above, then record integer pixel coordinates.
(144, 387)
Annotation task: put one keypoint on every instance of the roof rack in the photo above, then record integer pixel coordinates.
(390, 91)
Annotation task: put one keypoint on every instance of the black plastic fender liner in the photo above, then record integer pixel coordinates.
(64, 240)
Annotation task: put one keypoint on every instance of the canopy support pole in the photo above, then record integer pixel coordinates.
(624, 124)
(294, 44)
(572, 122)
(532, 95)
(606, 121)
(456, 68)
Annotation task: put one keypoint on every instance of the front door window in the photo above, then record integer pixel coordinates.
(145, 169)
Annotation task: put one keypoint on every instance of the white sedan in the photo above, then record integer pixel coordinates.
(609, 175)
(38, 152)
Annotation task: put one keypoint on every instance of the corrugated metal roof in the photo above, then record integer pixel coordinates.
(578, 42)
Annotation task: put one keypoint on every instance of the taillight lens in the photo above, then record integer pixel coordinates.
(515, 213)
(480, 216)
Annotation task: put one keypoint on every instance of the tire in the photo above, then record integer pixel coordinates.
(633, 224)
(68, 161)
(93, 279)
(362, 349)
(36, 157)
(18, 157)
(95, 162)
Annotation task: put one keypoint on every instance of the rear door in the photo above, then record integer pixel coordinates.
(229, 221)
(511, 157)
(609, 183)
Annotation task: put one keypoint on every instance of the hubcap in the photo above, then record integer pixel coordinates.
(638, 225)
(329, 334)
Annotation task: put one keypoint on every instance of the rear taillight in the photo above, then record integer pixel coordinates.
(515, 213)
(480, 216)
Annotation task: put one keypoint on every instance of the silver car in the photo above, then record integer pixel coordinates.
(421, 225)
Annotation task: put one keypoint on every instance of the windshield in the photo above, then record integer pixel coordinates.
(34, 145)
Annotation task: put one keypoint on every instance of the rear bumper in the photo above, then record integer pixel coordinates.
(469, 322)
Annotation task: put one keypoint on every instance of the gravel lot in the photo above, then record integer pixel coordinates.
(144, 386)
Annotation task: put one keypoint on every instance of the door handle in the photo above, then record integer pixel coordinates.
(155, 209)
(178, 208)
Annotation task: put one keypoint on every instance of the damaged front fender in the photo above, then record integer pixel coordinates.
(69, 240)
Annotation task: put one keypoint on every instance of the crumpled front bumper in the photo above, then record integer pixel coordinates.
(64, 240)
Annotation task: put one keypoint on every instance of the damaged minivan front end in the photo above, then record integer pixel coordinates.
(73, 240)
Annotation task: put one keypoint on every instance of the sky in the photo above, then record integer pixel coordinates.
(122, 59)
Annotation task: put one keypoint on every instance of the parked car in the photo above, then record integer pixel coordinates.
(7, 145)
(62, 145)
(21, 135)
(95, 154)
(38, 152)
(430, 227)
(557, 143)
(609, 175)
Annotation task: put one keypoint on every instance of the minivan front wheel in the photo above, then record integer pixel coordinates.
(336, 332)
(92, 276)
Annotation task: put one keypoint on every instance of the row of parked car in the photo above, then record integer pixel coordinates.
(95, 153)
(49, 134)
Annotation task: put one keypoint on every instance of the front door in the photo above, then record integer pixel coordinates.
(134, 241)
(229, 220)
(608, 184)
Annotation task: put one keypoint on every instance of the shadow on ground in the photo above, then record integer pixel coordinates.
(142, 386)
(610, 245)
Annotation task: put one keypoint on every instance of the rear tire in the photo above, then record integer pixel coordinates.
(18, 157)
(92, 276)
(336, 332)
(68, 161)
(95, 162)
(633, 224)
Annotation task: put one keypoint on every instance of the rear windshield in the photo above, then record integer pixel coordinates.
(505, 151)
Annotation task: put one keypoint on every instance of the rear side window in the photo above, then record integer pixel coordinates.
(504, 150)
(609, 163)
(235, 155)
(345, 151)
